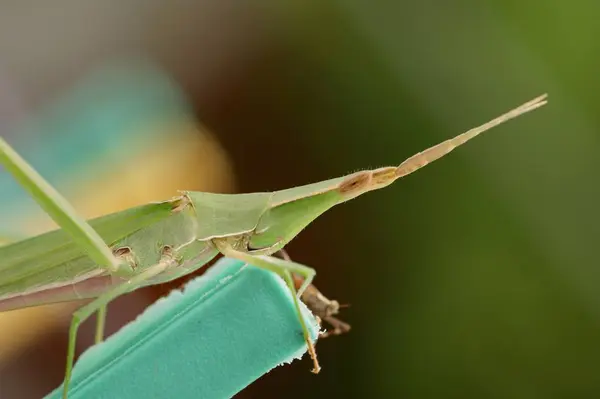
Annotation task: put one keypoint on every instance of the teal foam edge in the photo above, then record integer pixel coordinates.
(223, 331)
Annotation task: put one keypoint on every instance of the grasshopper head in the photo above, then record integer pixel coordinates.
(294, 209)
(287, 218)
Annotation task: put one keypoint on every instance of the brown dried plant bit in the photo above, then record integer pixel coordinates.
(322, 307)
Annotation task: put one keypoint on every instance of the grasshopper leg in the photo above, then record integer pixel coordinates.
(99, 305)
(58, 208)
(100, 323)
(285, 269)
(339, 327)
(321, 307)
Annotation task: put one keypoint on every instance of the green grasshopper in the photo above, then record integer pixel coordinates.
(155, 243)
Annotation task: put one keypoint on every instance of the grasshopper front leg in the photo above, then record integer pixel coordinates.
(285, 269)
(59, 209)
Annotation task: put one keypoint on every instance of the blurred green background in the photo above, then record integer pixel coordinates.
(473, 278)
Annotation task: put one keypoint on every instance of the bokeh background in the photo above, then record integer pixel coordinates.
(474, 278)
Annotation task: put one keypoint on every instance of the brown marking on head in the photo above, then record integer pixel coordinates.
(356, 184)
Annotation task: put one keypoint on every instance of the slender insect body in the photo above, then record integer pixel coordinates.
(162, 241)
(52, 258)
(191, 258)
(139, 250)
(71, 279)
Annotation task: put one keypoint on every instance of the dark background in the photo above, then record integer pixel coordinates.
(475, 277)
